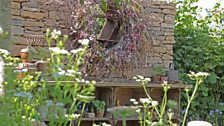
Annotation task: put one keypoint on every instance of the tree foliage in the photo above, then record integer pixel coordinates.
(199, 47)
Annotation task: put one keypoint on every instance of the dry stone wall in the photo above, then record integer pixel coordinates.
(32, 17)
(158, 49)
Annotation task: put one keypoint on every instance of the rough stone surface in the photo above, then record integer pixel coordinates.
(30, 17)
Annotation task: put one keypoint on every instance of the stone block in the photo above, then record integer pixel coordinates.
(18, 18)
(31, 9)
(170, 18)
(54, 15)
(15, 49)
(168, 42)
(34, 15)
(167, 57)
(160, 49)
(170, 38)
(164, 25)
(33, 28)
(17, 22)
(154, 60)
(15, 5)
(18, 40)
(34, 24)
(19, 1)
(31, 4)
(169, 11)
(16, 30)
(34, 32)
(15, 12)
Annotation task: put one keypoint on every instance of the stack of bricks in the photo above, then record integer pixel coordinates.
(30, 17)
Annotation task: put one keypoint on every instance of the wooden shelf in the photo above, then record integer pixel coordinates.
(97, 119)
(129, 85)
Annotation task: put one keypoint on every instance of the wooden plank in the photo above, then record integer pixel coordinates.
(129, 85)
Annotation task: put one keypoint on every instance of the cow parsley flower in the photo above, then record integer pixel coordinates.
(84, 42)
(145, 100)
(55, 34)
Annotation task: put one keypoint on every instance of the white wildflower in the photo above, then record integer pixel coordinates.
(138, 110)
(3, 51)
(55, 34)
(145, 100)
(57, 50)
(194, 75)
(155, 103)
(77, 50)
(72, 116)
(1, 30)
(84, 41)
(132, 100)
(135, 103)
(148, 79)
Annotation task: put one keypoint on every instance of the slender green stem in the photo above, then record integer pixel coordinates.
(145, 106)
(124, 120)
(147, 94)
(83, 108)
(190, 100)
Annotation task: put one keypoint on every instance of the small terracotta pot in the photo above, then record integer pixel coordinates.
(100, 114)
(156, 78)
(164, 78)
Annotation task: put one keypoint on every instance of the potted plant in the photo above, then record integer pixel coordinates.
(159, 74)
(100, 107)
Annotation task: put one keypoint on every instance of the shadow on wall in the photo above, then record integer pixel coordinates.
(5, 22)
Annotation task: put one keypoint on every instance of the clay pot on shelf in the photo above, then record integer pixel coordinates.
(100, 114)
(156, 78)
(24, 54)
(164, 78)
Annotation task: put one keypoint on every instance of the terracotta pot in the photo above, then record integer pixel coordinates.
(100, 114)
(24, 57)
(164, 78)
(156, 78)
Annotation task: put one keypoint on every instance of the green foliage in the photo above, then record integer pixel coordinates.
(158, 71)
(100, 105)
(33, 98)
(199, 47)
